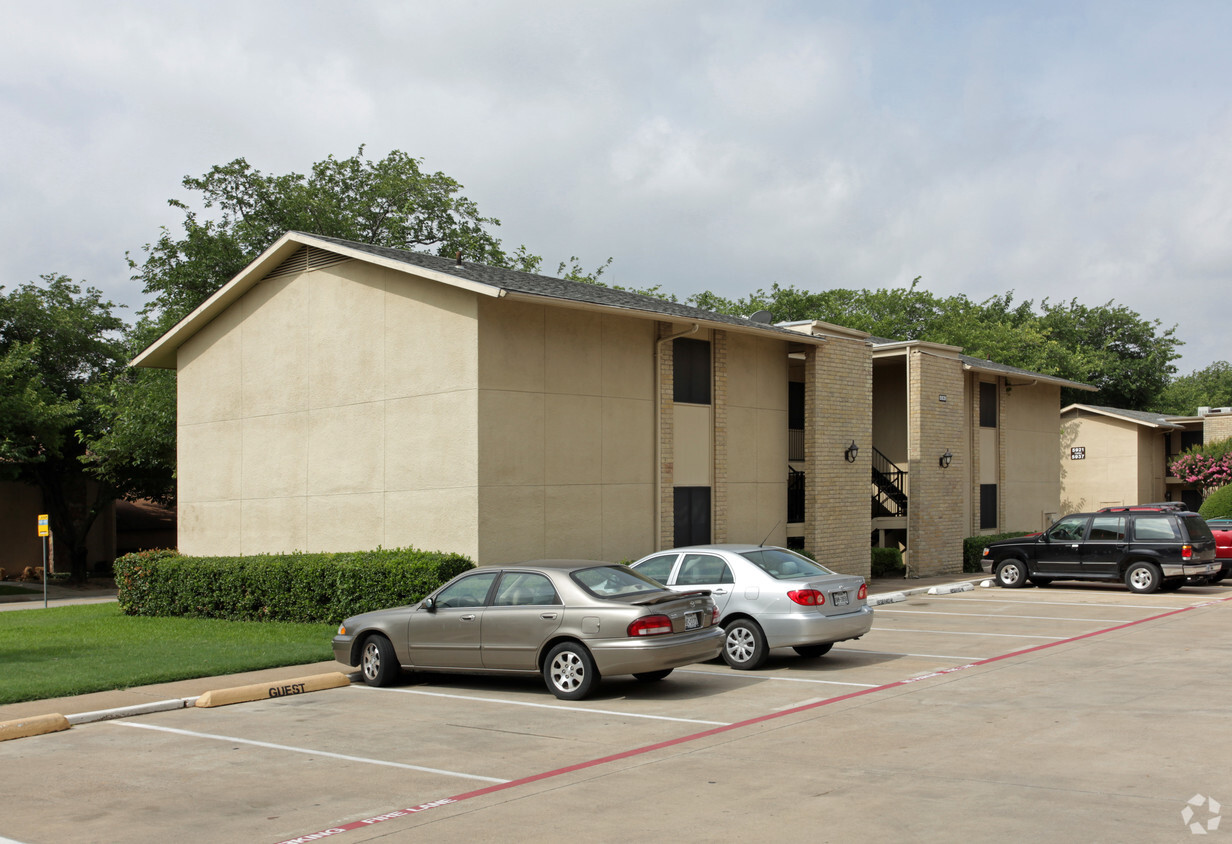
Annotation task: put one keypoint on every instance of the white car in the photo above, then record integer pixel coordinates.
(767, 597)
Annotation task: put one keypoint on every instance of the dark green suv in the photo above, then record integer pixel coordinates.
(1148, 549)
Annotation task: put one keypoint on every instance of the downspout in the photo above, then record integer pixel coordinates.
(658, 502)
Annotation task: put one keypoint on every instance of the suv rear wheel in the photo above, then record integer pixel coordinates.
(1011, 573)
(1143, 578)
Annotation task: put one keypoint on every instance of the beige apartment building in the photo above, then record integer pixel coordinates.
(1111, 456)
(337, 395)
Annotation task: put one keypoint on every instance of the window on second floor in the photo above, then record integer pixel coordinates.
(691, 370)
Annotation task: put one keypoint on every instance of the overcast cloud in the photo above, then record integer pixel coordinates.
(1069, 149)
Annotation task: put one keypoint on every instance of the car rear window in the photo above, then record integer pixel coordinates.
(1156, 527)
(615, 582)
(1198, 528)
(782, 564)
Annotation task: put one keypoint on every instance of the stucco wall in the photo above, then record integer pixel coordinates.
(1108, 475)
(566, 433)
(1031, 485)
(757, 440)
(331, 410)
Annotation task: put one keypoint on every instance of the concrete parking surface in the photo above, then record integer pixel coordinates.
(1078, 713)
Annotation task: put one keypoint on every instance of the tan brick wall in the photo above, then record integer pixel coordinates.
(838, 390)
(667, 413)
(935, 523)
(1216, 428)
(719, 490)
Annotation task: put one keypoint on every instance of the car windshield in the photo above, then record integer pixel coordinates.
(782, 564)
(614, 582)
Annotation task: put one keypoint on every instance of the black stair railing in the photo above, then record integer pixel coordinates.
(889, 498)
(795, 495)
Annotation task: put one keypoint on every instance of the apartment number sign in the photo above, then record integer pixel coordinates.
(1078, 452)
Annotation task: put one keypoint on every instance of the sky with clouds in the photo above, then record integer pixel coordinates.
(1055, 149)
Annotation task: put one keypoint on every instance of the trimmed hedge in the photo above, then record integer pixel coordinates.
(973, 548)
(280, 587)
(1218, 505)
(888, 562)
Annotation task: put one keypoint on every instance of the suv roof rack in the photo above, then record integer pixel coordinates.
(1158, 507)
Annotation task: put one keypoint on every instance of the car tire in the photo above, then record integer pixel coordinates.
(652, 676)
(570, 671)
(1040, 581)
(744, 645)
(378, 664)
(1011, 573)
(1143, 578)
(813, 650)
(1218, 578)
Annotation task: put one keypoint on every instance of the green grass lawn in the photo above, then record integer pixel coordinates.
(72, 650)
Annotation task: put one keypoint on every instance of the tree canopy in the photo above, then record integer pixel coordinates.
(1129, 358)
(61, 349)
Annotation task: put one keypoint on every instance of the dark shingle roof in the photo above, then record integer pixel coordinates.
(1144, 416)
(515, 281)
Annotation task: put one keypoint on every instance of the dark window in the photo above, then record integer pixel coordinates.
(988, 506)
(795, 405)
(1149, 528)
(988, 405)
(691, 370)
(692, 513)
(1189, 439)
(700, 569)
(1109, 528)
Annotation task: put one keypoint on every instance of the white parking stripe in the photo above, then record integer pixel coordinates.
(899, 653)
(744, 675)
(306, 751)
(1079, 601)
(960, 633)
(1001, 615)
(546, 705)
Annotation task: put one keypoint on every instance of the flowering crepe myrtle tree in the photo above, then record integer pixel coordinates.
(1207, 467)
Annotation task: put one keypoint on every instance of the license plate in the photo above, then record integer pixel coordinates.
(692, 620)
(841, 599)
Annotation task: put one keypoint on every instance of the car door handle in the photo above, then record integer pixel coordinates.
(547, 615)
(719, 591)
(467, 617)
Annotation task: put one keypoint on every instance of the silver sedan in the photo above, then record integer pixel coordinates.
(570, 621)
(767, 598)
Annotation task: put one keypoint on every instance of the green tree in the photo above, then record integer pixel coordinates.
(60, 348)
(391, 202)
(1209, 387)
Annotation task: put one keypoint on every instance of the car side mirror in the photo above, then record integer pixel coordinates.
(428, 604)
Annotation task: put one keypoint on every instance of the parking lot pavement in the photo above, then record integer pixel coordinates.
(1073, 712)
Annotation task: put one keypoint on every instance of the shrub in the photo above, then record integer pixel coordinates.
(973, 548)
(888, 562)
(280, 587)
(1218, 505)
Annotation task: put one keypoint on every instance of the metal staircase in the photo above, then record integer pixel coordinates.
(889, 499)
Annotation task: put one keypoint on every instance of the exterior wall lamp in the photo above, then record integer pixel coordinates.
(849, 453)
(946, 459)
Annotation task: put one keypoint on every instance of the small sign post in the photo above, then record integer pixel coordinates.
(44, 531)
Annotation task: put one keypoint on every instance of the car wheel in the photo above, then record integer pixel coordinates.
(378, 663)
(1040, 581)
(570, 671)
(1218, 578)
(1011, 573)
(1143, 578)
(813, 650)
(744, 648)
(652, 676)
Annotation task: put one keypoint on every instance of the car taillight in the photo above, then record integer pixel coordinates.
(651, 625)
(714, 617)
(807, 597)
(1186, 552)
(863, 593)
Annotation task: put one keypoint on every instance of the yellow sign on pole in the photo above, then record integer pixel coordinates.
(43, 527)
